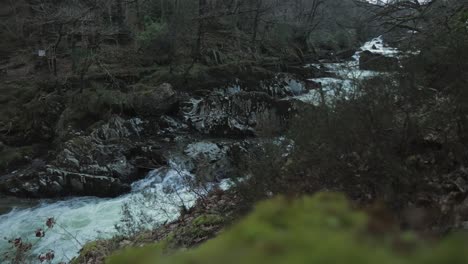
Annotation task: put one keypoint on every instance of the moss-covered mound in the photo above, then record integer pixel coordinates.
(320, 229)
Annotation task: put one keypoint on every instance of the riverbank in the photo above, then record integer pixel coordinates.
(203, 136)
(205, 220)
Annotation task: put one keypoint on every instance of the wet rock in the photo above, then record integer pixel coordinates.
(106, 150)
(55, 182)
(377, 62)
(208, 150)
(282, 85)
(242, 114)
(313, 85)
(84, 184)
(117, 128)
(345, 55)
(168, 126)
(98, 163)
(215, 161)
(209, 160)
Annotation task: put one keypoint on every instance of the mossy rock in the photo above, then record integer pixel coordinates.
(195, 232)
(89, 250)
(95, 251)
(319, 229)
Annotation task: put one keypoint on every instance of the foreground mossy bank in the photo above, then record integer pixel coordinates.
(319, 229)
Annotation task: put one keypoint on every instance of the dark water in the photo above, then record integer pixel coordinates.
(7, 203)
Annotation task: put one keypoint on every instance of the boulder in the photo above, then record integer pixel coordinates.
(211, 161)
(103, 151)
(99, 163)
(376, 62)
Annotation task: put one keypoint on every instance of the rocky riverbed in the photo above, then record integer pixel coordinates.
(153, 139)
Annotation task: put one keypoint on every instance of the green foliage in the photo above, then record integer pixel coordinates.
(95, 251)
(144, 254)
(357, 144)
(208, 219)
(319, 229)
(87, 249)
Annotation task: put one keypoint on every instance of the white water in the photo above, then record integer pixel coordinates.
(85, 219)
(80, 220)
(348, 73)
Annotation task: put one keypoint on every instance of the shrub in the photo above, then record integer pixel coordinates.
(319, 229)
(355, 143)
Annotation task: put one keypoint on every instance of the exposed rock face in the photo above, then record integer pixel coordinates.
(99, 153)
(377, 62)
(241, 114)
(100, 164)
(103, 151)
(53, 182)
(84, 184)
(283, 85)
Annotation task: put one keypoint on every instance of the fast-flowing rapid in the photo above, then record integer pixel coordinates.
(347, 75)
(80, 220)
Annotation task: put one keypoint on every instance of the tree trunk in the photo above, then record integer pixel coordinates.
(256, 21)
(200, 32)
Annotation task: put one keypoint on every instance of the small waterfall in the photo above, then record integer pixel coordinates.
(348, 74)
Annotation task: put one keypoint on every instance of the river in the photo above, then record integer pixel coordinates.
(84, 219)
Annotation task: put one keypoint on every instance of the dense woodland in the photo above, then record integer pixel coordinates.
(97, 94)
(86, 37)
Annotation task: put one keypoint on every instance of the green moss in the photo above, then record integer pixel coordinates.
(91, 246)
(186, 235)
(143, 254)
(88, 249)
(95, 252)
(143, 238)
(319, 229)
(208, 219)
